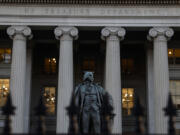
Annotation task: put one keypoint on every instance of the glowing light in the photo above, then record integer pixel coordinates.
(170, 52)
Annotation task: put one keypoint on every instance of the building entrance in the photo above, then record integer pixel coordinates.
(88, 55)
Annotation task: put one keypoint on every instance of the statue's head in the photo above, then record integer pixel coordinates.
(88, 76)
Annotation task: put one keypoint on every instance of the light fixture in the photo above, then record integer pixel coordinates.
(49, 98)
(52, 60)
(4, 91)
(170, 52)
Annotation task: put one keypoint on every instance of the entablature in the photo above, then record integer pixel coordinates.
(99, 2)
(88, 15)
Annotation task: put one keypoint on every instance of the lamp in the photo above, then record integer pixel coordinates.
(4, 91)
(49, 98)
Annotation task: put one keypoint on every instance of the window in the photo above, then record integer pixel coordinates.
(174, 56)
(175, 92)
(50, 99)
(127, 65)
(50, 65)
(4, 91)
(88, 65)
(127, 100)
(5, 55)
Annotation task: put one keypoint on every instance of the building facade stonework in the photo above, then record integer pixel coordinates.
(132, 46)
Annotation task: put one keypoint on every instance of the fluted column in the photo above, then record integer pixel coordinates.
(160, 36)
(28, 89)
(65, 80)
(113, 35)
(19, 34)
(150, 88)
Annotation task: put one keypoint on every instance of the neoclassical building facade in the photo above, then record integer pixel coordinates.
(133, 48)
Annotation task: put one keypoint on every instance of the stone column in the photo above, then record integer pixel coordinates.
(113, 35)
(65, 80)
(150, 88)
(28, 89)
(160, 36)
(19, 34)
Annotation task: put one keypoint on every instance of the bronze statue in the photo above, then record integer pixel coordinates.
(89, 97)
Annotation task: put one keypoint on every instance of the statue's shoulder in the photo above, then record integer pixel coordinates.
(98, 85)
(79, 85)
(77, 88)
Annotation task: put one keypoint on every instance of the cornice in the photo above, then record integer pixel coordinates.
(97, 2)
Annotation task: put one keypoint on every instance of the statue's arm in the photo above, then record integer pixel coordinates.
(76, 95)
(106, 94)
(110, 99)
(76, 90)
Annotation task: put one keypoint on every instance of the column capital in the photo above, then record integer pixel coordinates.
(117, 32)
(164, 33)
(19, 32)
(71, 32)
